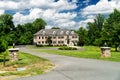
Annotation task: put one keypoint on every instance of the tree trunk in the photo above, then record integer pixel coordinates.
(4, 60)
(116, 48)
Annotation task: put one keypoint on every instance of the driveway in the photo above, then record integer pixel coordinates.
(70, 68)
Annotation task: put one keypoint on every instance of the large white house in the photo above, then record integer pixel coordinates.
(58, 37)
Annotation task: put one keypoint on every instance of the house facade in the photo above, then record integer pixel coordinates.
(58, 37)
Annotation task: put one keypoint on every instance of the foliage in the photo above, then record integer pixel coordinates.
(55, 28)
(49, 40)
(6, 23)
(21, 34)
(82, 33)
(25, 32)
(6, 27)
(95, 29)
(3, 45)
(38, 24)
(112, 29)
(102, 31)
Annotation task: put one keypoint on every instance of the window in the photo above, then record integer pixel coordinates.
(42, 37)
(43, 32)
(74, 36)
(54, 37)
(72, 32)
(39, 37)
(42, 42)
(46, 37)
(54, 42)
(54, 32)
(61, 32)
(39, 42)
(60, 37)
(60, 42)
(67, 32)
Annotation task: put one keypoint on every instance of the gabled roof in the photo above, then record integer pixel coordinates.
(55, 32)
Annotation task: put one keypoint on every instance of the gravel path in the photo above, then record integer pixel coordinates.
(70, 68)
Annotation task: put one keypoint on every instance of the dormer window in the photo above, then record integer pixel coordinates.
(67, 32)
(43, 32)
(61, 32)
(54, 32)
(72, 32)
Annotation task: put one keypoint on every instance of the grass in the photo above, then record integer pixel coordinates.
(91, 52)
(34, 65)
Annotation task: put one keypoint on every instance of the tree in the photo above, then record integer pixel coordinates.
(55, 28)
(82, 33)
(91, 33)
(48, 40)
(6, 27)
(112, 29)
(99, 21)
(95, 29)
(25, 32)
(6, 23)
(39, 24)
(3, 47)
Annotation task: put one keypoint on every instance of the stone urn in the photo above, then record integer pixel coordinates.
(13, 54)
(105, 52)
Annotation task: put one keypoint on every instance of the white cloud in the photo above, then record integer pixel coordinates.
(19, 18)
(1, 11)
(102, 7)
(83, 23)
(43, 4)
(51, 16)
(12, 5)
(48, 10)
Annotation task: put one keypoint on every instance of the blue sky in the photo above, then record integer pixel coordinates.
(70, 14)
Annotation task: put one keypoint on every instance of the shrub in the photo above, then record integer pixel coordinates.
(38, 45)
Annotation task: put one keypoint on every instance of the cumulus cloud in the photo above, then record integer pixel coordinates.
(53, 12)
(23, 4)
(1, 11)
(83, 23)
(48, 10)
(102, 7)
(19, 18)
(52, 17)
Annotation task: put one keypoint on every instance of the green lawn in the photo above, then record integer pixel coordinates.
(91, 52)
(34, 65)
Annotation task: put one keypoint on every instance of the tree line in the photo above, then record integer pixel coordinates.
(20, 34)
(102, 32)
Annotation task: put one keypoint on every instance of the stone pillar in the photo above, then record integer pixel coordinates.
(105, 52)
(13, 54)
